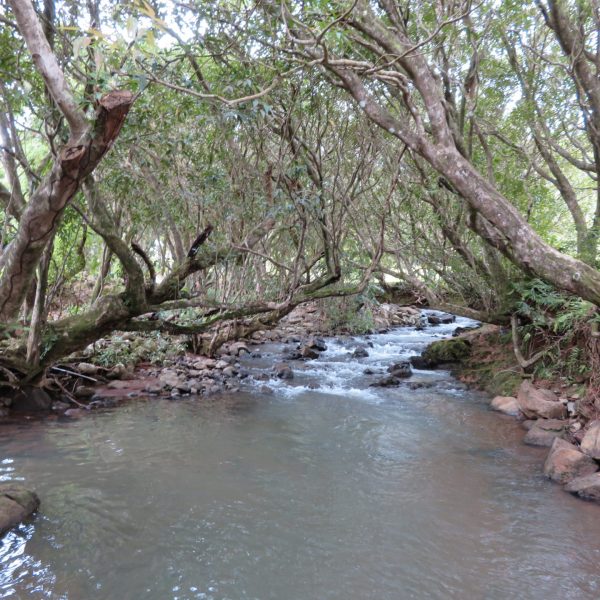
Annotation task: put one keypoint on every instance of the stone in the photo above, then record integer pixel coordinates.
(16, 504)
(421, 363)
(544, 431)
(590, 444)
(308, 353)
(390, 381)
(87, 368)
(229, 371)
(84, 391)
(440, 319)
(368, 371)
(119, 371)
(539, 403)
(360, 353)
(31, 399)
(528, 424)
(507, 405)
(318, 344)
(221, 364)
(400, 369)
(238, 348)
(283, 371)
(447, 351)
(60, 406)
(565, 462)
(587, 487)
(204, 363)
(74, 413)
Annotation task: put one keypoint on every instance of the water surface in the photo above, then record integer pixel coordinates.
(344, 492)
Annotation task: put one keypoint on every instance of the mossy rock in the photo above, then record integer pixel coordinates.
(447, 351)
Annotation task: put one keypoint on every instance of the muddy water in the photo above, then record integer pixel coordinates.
(342, 492)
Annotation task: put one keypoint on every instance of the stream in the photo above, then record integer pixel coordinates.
(344, 492)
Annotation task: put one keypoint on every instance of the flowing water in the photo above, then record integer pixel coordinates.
(342, 492)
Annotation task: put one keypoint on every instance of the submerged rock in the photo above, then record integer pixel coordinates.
(507, 405)
(16, 503)
(566, 462)
(390, 381)
(545, 431)
(539, 403)
(587, 487)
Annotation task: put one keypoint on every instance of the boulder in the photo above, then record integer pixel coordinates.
(440, 319)
(87, 368)
(590, 443)
(315, 343)
(400, 369)
(507, 405)
(238, 348)
(544, 432)
(31, 399)
(16, 503)
(447, 351)
(387, 382)
(308, 353)
(360, 353)
(566, 462)
(283, 371)
(587, 487)
(420, 362)
(204, 363)
(538, 403)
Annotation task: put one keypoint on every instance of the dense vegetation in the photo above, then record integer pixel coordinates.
(263, 154)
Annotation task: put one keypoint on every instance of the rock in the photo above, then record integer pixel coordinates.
(566, 462)
(229, 371)
(460, 330)
(318, 344)
(74, 413)
(283, 371)
(60, 406)
(447, 351)
(16, 504)
(419, 362)
(31, 399)
(265, 389)
(87, 368)
(360, 353)
(544, 432)
(590, 444)
(204, 363)
(308, 352)
(538, 403)
(368, 371)
(221, 364)
(440, 319)
(84, 391)
(528, 424)
(587, 487)
(119, 371)
(400, 369)
(387, 382)
(507, 405)
(238, 348)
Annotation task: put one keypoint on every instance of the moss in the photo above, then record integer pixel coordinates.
(447, 351)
